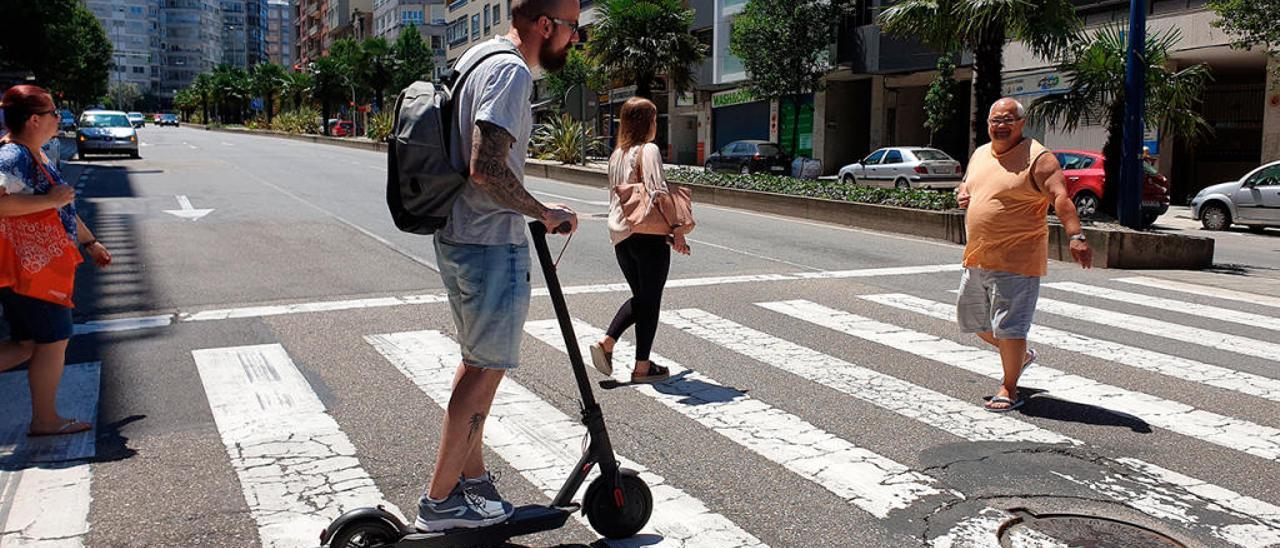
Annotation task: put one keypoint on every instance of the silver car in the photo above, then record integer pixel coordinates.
(106, 131)
(905, 167)
(1254, 200)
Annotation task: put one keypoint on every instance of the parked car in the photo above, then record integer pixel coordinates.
(137, 119)
(106, 131)
(905, 167)
(748, 157)
(341, 128)
(67, 120)
(168, 119)
(1253, 200)
(1086, 181)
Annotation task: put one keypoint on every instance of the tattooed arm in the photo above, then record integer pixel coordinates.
(490, 145)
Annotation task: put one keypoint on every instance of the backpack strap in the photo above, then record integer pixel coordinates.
(458, 74)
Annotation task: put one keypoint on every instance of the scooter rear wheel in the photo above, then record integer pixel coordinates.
(365, 534)
(616, 521)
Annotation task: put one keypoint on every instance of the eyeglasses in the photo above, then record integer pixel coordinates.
(573, 25)
(1006, 121)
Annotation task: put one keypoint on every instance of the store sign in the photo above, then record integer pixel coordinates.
(733, 97)
(1041, 83)
(685, 99)
(620, 95)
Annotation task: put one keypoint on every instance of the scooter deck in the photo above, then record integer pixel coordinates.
(527, 520)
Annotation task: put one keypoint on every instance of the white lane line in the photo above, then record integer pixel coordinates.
(755, 255)
(1159, 328)
(543, 443)
(1232, 433)
(865, 479)
(1139, 358)
(122, 324)
(296, 466)
(193, 147)
(1204, 290)
(891, 271)
(1204, 311)
(45, 482)
(962, 419)
(1191, 503)
(276, 310)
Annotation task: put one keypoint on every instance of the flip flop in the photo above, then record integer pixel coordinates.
(1031, 359)
(603, 361)
(657, 373)
(1001, 399)
(71, 426)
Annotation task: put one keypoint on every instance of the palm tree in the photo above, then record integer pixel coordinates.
(378, 69)
(232, 90)
(1095, 65)
(203, 88)
(268, 81)
(296, 85)
(635, 41)
(328, 85)
(983, 27)
(186, 101)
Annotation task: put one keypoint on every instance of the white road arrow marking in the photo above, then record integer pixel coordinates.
(187, 211)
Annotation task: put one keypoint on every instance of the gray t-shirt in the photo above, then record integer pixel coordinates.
(498, 91)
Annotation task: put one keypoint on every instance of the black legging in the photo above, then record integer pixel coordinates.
(645, 260)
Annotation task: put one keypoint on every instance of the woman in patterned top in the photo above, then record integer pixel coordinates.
(39, 330)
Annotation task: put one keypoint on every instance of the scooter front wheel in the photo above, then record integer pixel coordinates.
(365, 534)
(621, 511)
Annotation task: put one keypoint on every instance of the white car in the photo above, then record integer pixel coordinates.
(905, 167)
(1254, 200)
(106, 132)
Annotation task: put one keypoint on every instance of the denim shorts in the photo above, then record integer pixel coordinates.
(32, 319)
(488, 288)
(1001, 303)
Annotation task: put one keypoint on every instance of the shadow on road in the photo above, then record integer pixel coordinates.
(1048, 407)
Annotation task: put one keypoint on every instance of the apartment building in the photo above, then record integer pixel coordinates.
(280, 29)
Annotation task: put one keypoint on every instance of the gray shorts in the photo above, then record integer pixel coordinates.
(1001, 303)
(488, 288)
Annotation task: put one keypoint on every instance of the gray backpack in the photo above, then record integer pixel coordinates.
(421, 181)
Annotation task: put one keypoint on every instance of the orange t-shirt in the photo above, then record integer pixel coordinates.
(1008, 219)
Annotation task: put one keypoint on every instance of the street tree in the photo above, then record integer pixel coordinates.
(203, 89)
(784, 47)
(412, 59)
(328, 86)
(61, 44)
(1253, 23)
(1095, 67)
(297, 85)
(940, 100)
(577, 71)
(636, 41)
(350, 59)
(186, 101)
(232, 90)
(268, 81)
(123, 95)
(378, 69)
(1043, 26)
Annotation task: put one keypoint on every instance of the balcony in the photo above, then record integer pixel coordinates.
(867, 50)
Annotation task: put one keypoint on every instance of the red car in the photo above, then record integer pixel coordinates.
(341, 128)
(1085, 181)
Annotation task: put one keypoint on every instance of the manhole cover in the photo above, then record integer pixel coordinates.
(1084, 532)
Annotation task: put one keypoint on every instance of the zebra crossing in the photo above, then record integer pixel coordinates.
(297, 468)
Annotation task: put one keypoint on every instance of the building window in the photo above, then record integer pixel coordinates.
(487, 27)
(497, 14)
(457, 31)
(475, 27)
(455, 4)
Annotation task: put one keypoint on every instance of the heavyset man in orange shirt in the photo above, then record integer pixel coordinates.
(1008, 188)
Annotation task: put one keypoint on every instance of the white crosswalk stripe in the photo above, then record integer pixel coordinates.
(296, 466)
(867, 480)
(1160, 328)
(1203, 290)
(1140, 358)
(962, 419)
(1215, 313)
(543, 443)
(1241, 435)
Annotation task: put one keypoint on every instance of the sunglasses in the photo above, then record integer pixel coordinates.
(573, 25)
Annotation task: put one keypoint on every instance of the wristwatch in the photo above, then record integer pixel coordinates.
(1080, 237)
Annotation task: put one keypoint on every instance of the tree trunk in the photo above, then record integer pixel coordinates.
(1112, 151)
(988, 62)
(795, 125)
(271, 110)
(324, 117)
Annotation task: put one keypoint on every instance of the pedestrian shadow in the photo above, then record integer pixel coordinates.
(1048, 407)
(690, 391)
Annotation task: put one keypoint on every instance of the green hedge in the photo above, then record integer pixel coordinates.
(828, 189)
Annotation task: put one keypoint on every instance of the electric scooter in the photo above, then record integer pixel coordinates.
(617, 503)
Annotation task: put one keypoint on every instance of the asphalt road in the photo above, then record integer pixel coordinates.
(284, 356)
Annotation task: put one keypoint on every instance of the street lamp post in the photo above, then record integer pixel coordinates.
(1131, 174)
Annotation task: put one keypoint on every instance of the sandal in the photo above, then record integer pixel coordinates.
(657, 373)
(603, 361)
(1010, 405)
(70, 426)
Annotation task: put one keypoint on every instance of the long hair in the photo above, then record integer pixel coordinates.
(21, 102)
(636, 120)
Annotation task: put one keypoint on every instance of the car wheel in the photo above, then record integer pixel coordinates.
(902, 184)
(1086, 204)
(135, 155)
(746, 170)
(1215, 217)
(1257, 229)
(1149, 218)
(850, 180)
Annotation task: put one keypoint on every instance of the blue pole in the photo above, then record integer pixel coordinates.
(1131, 174)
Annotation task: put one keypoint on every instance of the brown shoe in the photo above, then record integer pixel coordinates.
(657, 373)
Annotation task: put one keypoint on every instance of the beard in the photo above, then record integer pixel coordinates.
(551, 59)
